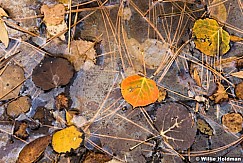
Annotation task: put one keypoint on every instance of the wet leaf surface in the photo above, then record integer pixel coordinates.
(10, 82)
(209, 36)
(52, 72)
(66, 139)
(32, 151)
(139, 91)
(176, 125)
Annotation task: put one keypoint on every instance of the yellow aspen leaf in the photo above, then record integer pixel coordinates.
(139, 91)
(210, 38)
(3, 34)
(218, 10)
(66, 139)
(237, 74)
(235, 38)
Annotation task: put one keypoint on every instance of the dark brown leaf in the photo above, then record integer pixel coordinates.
(176, 125)
(32, 151)
(52, 72)
(92, 157)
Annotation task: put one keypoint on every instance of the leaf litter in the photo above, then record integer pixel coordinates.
(157, 47)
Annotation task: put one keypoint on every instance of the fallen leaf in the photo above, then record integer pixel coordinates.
(239, 90)
(3, 13)
(196, 77)
(83, 53)
(139, 91)
(235, 38)
(233, 121)
(204, 127)
(92, 157)
(220, 95)
(33, 151)
(66, 139)
(162, 95)
(54, 30)
(53, 15)
(226, 62)
(52, 72)
(12, 76)
(237, 74)
(208, 34)
(218, 10)
(3, 30)
(239, 63)
(61, 101)
(20, 130)
(176, 125)
(4, 34)
(16, 107)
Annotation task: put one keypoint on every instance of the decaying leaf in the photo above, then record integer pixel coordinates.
(62, 101)
(139, 91)
(233, 121)
(53, 15)
(11, 78)
(204, 127)
(239, 90)
(238, 74)
(82, 54)
(56, 29)
(210, 38)
(220, 95)
(239, 63)
(176, 125)
(20, 130)
(235, 38)
(3, 30)
(162, 95)
(93, 157)
(218, 11)
(152, 52)
(66, 139)
(16, 107)
(196, 77)
(226, 62)
(33, 151)
(52, 72)
(73, 118)
(54, 19)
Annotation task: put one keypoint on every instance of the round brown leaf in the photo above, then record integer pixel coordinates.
(12, 77)
(32, 151)
(233, 121)
(239, 90)
(21, 105)
(176, 125)
(52, 72)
